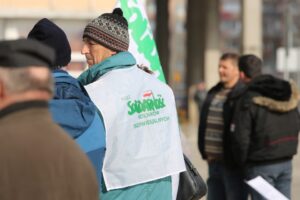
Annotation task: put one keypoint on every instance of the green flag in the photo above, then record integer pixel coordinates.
(142, 44)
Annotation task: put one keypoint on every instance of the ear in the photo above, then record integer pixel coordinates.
(242, 75)
(112, 53)
(2, 93)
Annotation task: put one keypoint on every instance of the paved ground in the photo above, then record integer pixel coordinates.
(190, 148)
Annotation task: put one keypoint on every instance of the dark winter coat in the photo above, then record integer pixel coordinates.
(266, 122)
(38, 160)
(228, 110)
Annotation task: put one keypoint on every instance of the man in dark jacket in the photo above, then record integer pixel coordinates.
(38, 160)
(71, 106)
(265, 129)
(214, 146)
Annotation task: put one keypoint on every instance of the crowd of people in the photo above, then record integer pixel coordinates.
(113, 132)
(66, 138)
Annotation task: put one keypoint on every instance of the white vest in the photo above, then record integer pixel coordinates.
(142, 132)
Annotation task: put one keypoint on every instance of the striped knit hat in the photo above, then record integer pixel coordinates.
(109, 30)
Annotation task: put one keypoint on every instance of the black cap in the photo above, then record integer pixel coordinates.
(49, 33)
(25, 52)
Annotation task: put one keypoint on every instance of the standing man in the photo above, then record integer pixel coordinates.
(224, 181)
(200, 95)
(266, 127)
(71, 106)
(139, 113)
(38, 160)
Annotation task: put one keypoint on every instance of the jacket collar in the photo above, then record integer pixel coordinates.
(59, 71)
(117, 61)
(238, 89)
(22, 106)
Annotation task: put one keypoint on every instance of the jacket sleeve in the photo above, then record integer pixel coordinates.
(240, 130)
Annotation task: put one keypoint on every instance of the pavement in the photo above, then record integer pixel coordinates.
(189, 142)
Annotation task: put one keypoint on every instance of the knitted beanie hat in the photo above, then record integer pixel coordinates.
(109, 30)
(50, 34)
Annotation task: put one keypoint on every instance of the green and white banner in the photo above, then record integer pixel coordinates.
(142, 44)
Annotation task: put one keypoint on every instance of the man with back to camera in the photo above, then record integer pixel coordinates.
(71, 106)
(38, 160)
(266, 125)
(139, 112)
(225, 179)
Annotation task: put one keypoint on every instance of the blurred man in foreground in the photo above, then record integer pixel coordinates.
(38, 160)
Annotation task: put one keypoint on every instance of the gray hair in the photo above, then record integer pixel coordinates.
(18, 80)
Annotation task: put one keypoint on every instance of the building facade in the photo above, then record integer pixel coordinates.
(17, 17)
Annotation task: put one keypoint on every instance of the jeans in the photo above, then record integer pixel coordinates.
(278, 175)
(224, 183)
